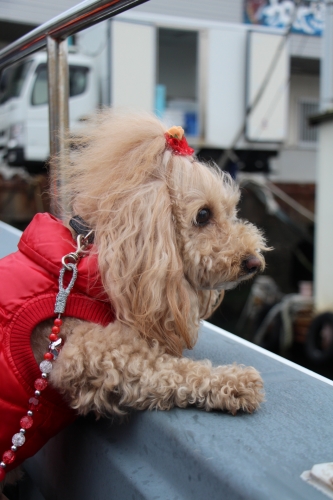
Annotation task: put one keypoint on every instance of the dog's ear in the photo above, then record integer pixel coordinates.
(142, 270)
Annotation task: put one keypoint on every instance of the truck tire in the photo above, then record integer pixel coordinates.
(319, 339)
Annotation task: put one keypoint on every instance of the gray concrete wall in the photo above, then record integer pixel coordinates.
(214, 10)
(305, 46)
(33, 11)
(39, 11)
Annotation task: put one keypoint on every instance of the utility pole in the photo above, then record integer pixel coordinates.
(323, 276)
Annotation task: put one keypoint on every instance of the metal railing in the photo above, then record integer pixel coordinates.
(53, 35)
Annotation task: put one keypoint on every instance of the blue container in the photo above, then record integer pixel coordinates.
(191, 123)
(160, 93)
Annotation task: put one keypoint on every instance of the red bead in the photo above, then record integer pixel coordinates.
(53, 337)
(2, 473)
(40, 384)
(48, 356)
(8, 457)
(57, 322)
(55, 329)
(26, 422)
(34, 404)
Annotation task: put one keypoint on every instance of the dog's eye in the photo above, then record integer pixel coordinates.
(203, 217)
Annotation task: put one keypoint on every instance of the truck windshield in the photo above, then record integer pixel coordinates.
(78, 80)
(12, 80)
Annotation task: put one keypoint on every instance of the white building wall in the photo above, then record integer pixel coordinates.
(302, 88)
(297, 161)
(294, 165)
(305, 46)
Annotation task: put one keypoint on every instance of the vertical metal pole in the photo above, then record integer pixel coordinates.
(108, 62)
(63, 124)
(323, 278)
(63, 94)
(58, 89)
(326, 69)
(52, 66)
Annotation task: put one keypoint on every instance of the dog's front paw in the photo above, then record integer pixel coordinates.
(235, 388)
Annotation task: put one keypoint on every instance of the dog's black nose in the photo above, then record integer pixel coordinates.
(252, 264)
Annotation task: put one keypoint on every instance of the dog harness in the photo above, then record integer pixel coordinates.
(28, 292)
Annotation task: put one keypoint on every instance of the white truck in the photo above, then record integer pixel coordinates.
(24, 130)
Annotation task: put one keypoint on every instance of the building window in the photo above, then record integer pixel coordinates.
(307, 134)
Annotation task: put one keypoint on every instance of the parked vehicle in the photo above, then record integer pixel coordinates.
(181, 69)
(24, 129)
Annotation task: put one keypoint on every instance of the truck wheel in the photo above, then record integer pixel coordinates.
(319, 339)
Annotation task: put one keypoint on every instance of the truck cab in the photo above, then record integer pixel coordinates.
(24, 125)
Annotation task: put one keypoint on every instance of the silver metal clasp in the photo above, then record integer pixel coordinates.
(69, 263)
(73, 257)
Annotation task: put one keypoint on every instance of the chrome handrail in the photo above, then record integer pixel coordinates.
(52, 35)
(79, 17)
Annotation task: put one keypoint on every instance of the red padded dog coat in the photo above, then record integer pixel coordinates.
(28, 289)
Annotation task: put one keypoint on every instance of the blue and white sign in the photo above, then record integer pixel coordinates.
(307, 16)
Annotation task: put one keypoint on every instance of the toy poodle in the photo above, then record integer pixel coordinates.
(159, 242)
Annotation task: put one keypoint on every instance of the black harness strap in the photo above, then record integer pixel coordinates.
(81, 227)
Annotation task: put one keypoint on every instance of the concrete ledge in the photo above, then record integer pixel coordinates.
(190, 454)
(9, 238)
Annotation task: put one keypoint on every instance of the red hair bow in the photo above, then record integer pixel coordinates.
(177, 142)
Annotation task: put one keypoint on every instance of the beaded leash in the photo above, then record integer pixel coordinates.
(69, 263)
